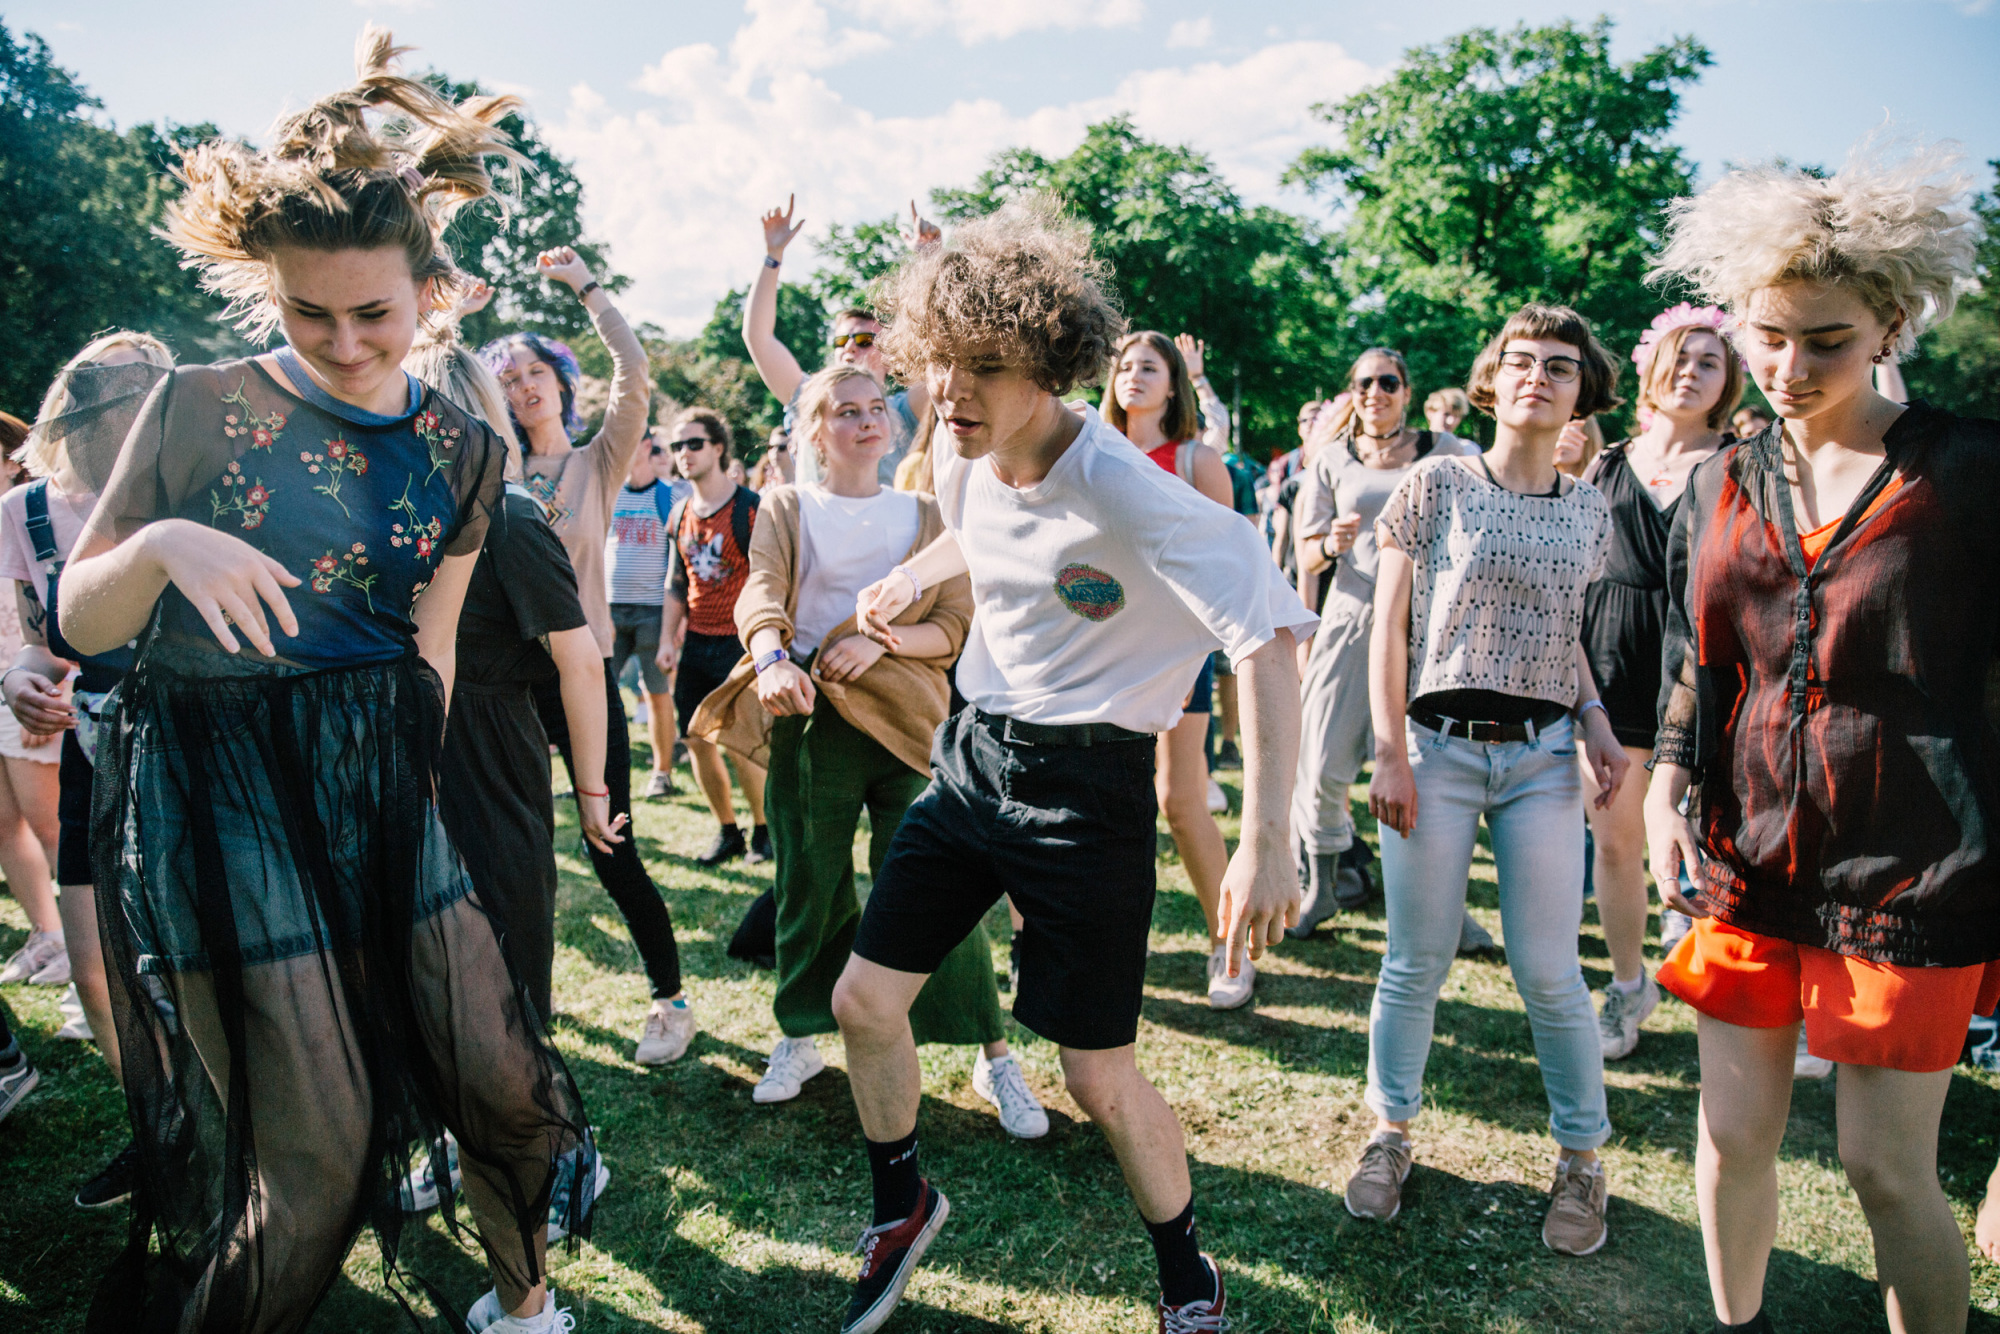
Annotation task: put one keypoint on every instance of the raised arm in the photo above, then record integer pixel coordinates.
(631, 400)
(1215, 414)
(774, 361)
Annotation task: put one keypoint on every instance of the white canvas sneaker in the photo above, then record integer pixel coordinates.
(1226, 992)
(669, 1029)
(486, 1317)
(1002, 1084)
(792, 1062)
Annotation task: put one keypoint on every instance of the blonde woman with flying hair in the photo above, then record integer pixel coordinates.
(308, 983)
(97, 394)
(1831, 622)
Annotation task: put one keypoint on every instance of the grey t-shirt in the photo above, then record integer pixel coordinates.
(1339, 484)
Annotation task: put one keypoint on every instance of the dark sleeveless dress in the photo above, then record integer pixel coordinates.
(1625, 611)
(306, 986)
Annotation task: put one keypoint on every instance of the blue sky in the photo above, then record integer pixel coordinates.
(685, 119)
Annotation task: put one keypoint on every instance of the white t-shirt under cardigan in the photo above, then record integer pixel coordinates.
(1496, 592)
(1100, 590)
(845, 544)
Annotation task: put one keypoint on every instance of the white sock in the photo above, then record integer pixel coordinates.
(1631, 988)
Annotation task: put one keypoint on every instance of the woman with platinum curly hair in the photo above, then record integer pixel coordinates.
(1828, 642)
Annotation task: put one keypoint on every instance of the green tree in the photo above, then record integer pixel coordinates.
(1495, 168)
(81, 201)
(498, 240)
(857, 256)
(1957, 365)
(713, 368)
(1187, 255)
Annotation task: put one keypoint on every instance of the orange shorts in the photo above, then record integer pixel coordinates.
(1855, 1012)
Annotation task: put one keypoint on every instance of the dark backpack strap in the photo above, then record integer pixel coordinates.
(742, 514)
(41, 531)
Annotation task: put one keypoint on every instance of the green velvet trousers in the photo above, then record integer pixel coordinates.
(824, 772)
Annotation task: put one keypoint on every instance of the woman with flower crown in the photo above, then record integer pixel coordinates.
(305, 982)
(1689, 382)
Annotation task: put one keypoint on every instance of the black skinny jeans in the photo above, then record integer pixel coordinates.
(621, 872)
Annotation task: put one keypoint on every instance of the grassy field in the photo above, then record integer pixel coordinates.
(725, 1216)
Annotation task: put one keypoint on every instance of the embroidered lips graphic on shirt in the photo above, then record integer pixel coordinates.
(1090, 592)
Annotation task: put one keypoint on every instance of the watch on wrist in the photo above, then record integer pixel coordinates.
(592, 286)
(772, 262)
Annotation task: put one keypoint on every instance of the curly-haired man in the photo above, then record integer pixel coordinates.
(1102, 584)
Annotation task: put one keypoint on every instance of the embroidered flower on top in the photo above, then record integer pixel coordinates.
(263, 431)
(248, 497)
(415, 532)
(330, 569)
(438, 440)
(340, 460)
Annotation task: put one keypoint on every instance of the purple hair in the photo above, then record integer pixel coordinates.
(498, 356)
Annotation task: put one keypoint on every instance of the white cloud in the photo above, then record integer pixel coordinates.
(1191, 32)
(676, 186)
(986, 20)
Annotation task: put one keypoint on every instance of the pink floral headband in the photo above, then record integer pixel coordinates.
(1664, 323)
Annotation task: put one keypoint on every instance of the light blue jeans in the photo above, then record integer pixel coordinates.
(1531, 794)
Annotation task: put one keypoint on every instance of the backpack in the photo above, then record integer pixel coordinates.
(741, 516)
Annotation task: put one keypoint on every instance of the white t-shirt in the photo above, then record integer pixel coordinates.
(845, 544)
(1099, 590)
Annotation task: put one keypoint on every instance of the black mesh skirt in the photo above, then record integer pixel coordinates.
(308, 993)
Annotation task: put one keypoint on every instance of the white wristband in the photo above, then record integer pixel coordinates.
(916, 584)
(1588, 705)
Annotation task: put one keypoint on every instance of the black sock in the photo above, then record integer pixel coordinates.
(1184, 1276)
(893, 1165)
(1756, 1324)
(731, 829)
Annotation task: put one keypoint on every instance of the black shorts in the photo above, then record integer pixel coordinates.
(74, 778)
(1068, 833)
(706, 662)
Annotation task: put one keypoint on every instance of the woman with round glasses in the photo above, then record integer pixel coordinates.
(1342, 495)
(1482, 697)
(1831, 628)
(855, 342)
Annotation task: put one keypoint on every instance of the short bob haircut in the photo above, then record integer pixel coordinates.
(1894, 229)
(1597, 379)
(1020, 284)
(712, 425)
(1659, 372)
(1182, 419)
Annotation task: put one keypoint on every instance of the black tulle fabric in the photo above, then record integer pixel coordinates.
(280, 1082)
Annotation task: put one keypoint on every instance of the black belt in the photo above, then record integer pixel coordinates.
(1059, 734)
(1479, 729)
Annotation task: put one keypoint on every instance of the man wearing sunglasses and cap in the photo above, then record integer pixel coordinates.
(856, 335)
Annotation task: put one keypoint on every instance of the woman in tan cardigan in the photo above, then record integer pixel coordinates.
(842, 724)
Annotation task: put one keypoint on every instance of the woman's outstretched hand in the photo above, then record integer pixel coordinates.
(227, 580)
(779, 229)
(920, 232)
(476, 298)
(1194, 352)
(564, 265)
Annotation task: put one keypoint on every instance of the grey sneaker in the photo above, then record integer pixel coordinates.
(1575, 1225)
(1474, 939)
(1618, 1022)
(1002, 1084)
(16, 1084)
(661, 784)
(669, 1029)
(1805, 1065)
(1319, 899)
(1674, 925)
(1375, 1190)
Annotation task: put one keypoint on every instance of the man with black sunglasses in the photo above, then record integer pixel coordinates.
(708, 559)
(855, 342)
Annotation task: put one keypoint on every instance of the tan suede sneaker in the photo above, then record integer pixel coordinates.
(1376, 1188)
(1577, 1197)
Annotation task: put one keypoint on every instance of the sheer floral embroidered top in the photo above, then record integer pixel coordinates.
(360, 506)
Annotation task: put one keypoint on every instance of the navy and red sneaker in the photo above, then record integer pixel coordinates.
(889, 1254)
(1203, 1317)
